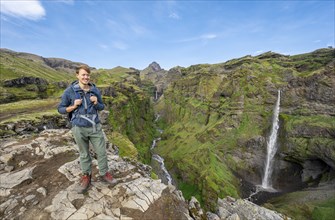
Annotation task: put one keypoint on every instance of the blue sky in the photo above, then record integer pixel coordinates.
(106, 34)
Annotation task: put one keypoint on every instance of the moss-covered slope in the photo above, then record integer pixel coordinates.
(131, 110)
(218, 118)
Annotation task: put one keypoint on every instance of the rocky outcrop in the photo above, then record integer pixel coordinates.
(45, 172)
(23, 81)
(234, 209)
(23, 127)
(239, 209)
(159, 77)
(62, 64)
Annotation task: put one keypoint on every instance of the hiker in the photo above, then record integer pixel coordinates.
(82, 101)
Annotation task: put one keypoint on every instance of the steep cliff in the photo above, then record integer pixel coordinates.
(218, 118)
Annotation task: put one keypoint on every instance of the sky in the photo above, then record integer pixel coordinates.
(106, 34)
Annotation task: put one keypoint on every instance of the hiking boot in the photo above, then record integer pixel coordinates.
(85, 182)
(108, 178)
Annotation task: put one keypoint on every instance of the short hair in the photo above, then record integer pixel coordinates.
(84, 67)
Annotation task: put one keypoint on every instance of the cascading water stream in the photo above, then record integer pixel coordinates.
(160, 160)
(271, 147)
(166, 177)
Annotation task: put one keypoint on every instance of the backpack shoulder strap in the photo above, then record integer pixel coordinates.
(76, 93)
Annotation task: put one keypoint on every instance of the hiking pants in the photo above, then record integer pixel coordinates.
(84, 135)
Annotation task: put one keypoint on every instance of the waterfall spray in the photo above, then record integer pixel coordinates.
(271, 146)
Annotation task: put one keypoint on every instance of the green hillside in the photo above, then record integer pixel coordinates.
(14, 67)
(217, 118)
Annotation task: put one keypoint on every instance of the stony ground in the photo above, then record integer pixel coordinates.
(39, 176)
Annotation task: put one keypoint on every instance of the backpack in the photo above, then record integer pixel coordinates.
(70, 114)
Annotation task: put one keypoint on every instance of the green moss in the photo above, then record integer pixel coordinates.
(4, 133)
(131, 114)
(126, 147)
(324, 210)
(296, 206)
(154, 176)
(190, 190)
(197, 159)
(105, 77)
(34, 116)
(322, 121)
(28, 109)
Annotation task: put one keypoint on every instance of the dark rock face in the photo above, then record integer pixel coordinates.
(62, 85)
(155, 67)
(27, 127)
(159, 77)
(61, 64)
(23, 81)
(318, 87)
(109, 91)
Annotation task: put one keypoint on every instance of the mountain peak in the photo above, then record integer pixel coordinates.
(155, 66)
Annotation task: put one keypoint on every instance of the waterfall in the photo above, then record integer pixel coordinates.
(271, 146)
(162, 172)
(154, 143)
(160, 160)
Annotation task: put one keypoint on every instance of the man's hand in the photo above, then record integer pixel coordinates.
(94, 99)
(75, 105)
(77, 102)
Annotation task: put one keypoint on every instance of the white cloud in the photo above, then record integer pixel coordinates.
(120, 45)
(174, 15)
(203, 37)
(32, 9)
(317, 41)
(258, 52)
(208, 36)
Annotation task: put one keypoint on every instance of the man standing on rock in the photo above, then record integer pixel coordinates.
(82, 101)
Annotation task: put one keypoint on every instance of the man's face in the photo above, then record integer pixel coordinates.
(83, 77)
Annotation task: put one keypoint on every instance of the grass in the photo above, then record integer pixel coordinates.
(34, 116)
(297, 206)
(324, 210)
(189, 149)
(126, 147)
(12, 67)
(104, 77)
(28, 109)
(324, 121)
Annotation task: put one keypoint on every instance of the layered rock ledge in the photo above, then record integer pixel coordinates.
(39, 176)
